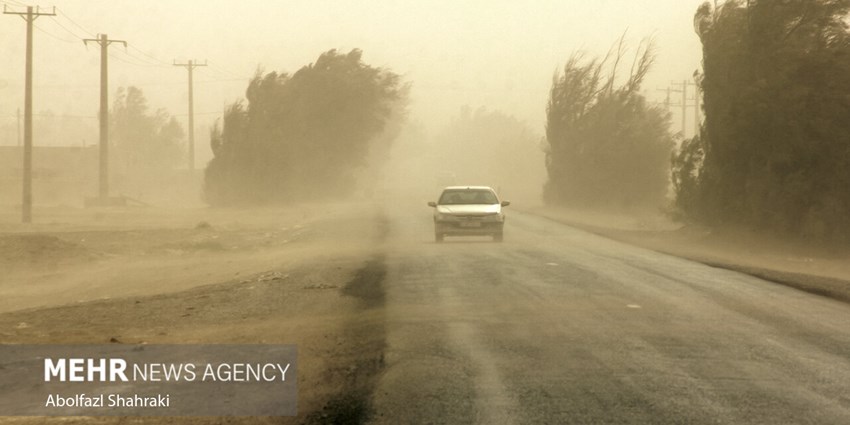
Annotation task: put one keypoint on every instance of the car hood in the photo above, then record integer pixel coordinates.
(476, 209)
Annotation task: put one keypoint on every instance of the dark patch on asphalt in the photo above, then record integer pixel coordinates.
(347, 409)
(368, 283)
(363, 340)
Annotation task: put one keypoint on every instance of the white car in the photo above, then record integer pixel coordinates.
(469, 211)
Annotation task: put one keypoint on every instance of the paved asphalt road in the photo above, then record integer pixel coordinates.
(556, 325)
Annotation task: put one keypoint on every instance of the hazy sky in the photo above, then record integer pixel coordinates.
(492, 53)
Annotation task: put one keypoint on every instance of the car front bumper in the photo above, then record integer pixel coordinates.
(468, 228)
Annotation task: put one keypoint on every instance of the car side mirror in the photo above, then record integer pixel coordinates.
(432, 204)
(506, 203)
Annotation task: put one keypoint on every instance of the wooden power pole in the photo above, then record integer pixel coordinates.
(696, 108)
(103, 116)
(29, 16)
(668, 103)
(685, 105)
(190, 65)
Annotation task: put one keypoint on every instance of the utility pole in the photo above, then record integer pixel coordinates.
(696, 108)
(190, 65)
(29, 16)
(684, 106)
(19, 127)
(667, 102)
(104, 42)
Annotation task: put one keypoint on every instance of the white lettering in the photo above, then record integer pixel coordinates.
(159, 400)
(100, 369)
(117, 368)
(266, 367)
(245, 372)
(140, 372)
(208, 373)
(76, 369)
(283, 371)
(84, 370)
(52, 369)
(253, 372)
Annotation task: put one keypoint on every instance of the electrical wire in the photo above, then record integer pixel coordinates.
(56, 21)
(130, 62)
(225, 71)
(68, 18)
(13, 3)
(133, 59)
(149, 56)
(215, 79)
(54, 35)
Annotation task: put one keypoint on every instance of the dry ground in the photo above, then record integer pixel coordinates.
(305, 275)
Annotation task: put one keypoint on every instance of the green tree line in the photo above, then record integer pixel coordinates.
(307, 135)
(606, 145)
(774, 150)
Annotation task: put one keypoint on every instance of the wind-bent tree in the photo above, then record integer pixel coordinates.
(145, 143)
(774, 150)
(490, 148)
(306, 135)
(607, 147)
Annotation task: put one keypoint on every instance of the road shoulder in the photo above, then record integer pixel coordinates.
(811, 268)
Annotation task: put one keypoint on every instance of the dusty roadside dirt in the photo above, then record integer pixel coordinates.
(814, 268)
(309, 278)
(79, 255)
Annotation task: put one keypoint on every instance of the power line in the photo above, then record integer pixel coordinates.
(144, 61)
(54, 116)
(104, 43)
(190, 66)
(64, 116)
(136, 60)
(226, 71)
(14, 3)
(209, 74)
(216, 79)
(56, 21)
(685, 102)
(51, 35)
(142, 84)
(29, 16)
(130, 62)
(68, 18)
(164, 63)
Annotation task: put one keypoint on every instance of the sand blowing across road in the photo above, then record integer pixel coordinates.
(553, 325)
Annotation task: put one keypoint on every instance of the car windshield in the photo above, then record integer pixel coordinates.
(468, 197)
